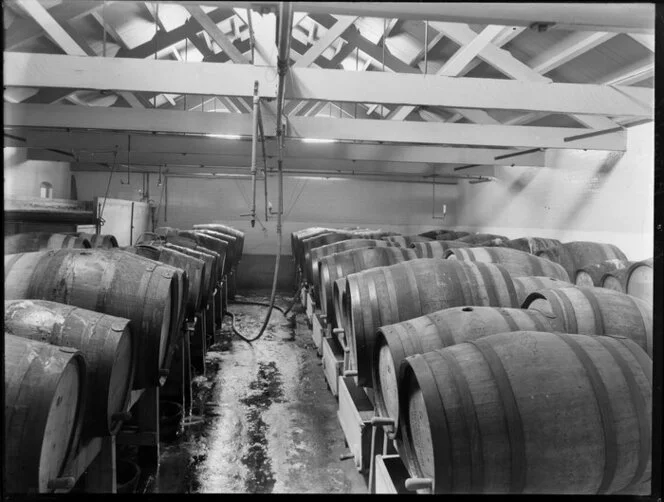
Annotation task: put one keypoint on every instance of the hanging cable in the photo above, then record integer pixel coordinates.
(108, 187)
(384, 38)
(285, 24)
(103, 16)
(426, 46)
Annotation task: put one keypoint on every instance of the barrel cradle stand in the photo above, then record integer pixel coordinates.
(146, 434)
(179, 383)
(319, 331)
(310, 307)
(198, 343)
(390, 475)
(95, 458)
(333, 353)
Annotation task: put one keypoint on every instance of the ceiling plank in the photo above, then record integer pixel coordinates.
(567, 49)
(22, 115)
(342, 24)
(217, 35)
(154, 14)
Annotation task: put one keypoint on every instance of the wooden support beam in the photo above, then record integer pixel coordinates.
(567, 49)
(120, 74)
(455, 65)
(620, 18)
(85, 141)
(217, 35)
(175, 121)
(343, 23)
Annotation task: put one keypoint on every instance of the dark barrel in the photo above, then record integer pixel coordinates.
(532, 245)
(209, 272)
(106, 342)
(595, 311)
(225, 229)
(112, 282)
(36, 241)
(517, 263)
(579, 254)
(45, 389)
(478, 239)
(387, 295)
(105, 241)
(233, 247)
(528, 412)
(436, 249)
(338, 265)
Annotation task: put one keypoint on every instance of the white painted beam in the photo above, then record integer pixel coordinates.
(450, 134)
(178, 144)
(154, 13)
(125, 74)
(342, 24)
(621, 18)
(455, 65)
(51, 27)
(217, 35)
(636, 72)
(482, 93)
(567, 49)
(176, 121)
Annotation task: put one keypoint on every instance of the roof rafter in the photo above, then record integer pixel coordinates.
(217, 35)
(342, 24)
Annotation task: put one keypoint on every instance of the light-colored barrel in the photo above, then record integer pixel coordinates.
(591, 275)
(230, 231)
(437, 330)
(517, 263)
(528, 412)
(387, 295)
(635, 280)
(526, 285)
(112, 282)
(45, 388)
(106, 342)
(209, 271)
(595, 311)
(444, 235)
(406, 240)
(477, 239)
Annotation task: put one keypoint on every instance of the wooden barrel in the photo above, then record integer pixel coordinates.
(532, 245)
(233, 248)
(112, 282)
(444, 235)
(591, 275)
(433, 331)
(579, 254)
(339, 293)
(406, 240)
(45, 388)
(230, 231)
(106, 342)
(191, 243)
(595, 311)
(436, 249)
(211, 263)
(339, 265)
(528, 412)
(527, 285)
(517, 263)
(315, 242)
(299, 236)
(105, 241)
(191, 290)
(386, 295)
(635, 280)
(181, 280)
(476, 239)
(213, 244)
(495, 242)
(36, 241)
(337, 247)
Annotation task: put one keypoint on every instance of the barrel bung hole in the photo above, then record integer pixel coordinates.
(467, 309)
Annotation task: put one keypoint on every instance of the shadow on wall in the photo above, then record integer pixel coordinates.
(595, 183)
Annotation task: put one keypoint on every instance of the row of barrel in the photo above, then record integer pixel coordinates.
(83, 327)
(497, 374)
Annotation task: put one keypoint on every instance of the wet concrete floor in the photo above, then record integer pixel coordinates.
(269, 421)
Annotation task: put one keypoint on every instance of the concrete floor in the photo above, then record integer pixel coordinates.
(270, 422)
